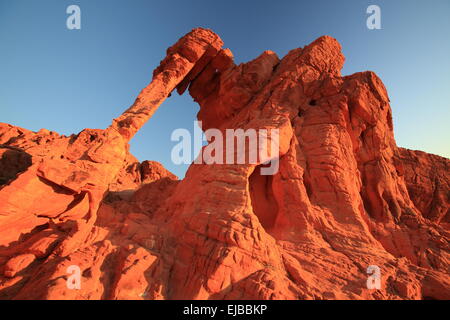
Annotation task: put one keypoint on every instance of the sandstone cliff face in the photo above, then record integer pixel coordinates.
(345, 196)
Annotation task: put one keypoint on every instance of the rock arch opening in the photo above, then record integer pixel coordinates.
(177, 112)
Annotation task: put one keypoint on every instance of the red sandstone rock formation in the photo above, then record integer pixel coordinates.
(345, 196)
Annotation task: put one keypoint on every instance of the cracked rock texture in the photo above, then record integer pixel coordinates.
(344, 197)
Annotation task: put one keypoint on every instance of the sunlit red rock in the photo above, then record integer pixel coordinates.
(345, 196)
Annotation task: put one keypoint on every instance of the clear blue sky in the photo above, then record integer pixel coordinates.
(66, 80)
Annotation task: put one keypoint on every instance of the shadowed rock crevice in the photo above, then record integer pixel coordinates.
(13, 161)
(263, 200)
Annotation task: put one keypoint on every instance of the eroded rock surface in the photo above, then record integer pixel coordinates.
(345, 196)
